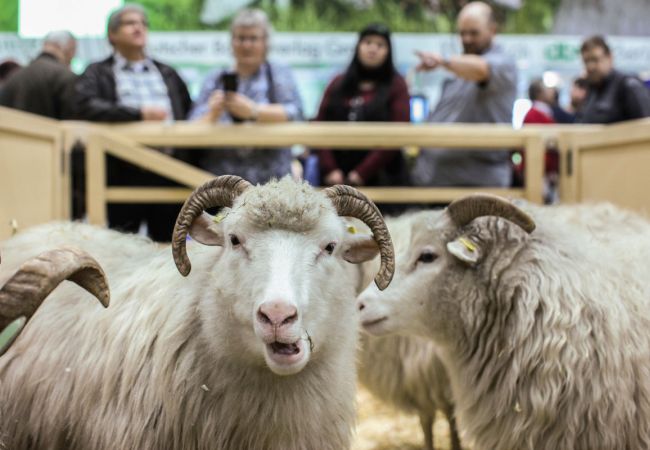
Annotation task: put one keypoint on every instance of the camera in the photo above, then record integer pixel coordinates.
(229, 81)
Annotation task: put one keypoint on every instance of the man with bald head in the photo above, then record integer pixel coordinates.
(481, 88)
(46, 84)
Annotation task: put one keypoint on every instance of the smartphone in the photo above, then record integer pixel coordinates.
(229, 81)
(419, 108)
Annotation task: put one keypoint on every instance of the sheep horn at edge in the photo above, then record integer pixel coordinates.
(348, 201)
(23, 293)
(466, 209)
(219, 192)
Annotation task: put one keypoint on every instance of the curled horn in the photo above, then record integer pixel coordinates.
(350, 202)
(219, 192)
(23, 293)
(464, 210)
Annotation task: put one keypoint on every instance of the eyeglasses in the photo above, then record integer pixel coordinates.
(593, 59)
(134, 22)
(242, 38)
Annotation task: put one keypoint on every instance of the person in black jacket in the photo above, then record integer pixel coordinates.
(612, 96)
(131, 86)
(45, 85)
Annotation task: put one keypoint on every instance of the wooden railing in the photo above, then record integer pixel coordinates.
(597, 162)
(130, 141)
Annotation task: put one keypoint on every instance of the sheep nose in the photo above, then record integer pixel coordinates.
(361, 305)
(277, 313)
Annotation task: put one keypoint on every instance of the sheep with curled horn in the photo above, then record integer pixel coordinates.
(255, 349)
(541, 324)
(36, 278)
(406, 371)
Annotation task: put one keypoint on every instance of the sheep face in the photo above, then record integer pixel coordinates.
(290, 293)
(445, 281)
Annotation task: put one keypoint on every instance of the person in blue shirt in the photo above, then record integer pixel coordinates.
(265, 92)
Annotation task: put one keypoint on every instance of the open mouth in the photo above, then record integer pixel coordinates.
(283, 354)
(281, 348)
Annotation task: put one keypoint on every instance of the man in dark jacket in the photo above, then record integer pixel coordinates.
(131, 86)
(45, 85)
(612, 96)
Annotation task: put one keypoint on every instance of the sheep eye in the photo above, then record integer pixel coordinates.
(329, 248)
(427, 257)
(234, 240)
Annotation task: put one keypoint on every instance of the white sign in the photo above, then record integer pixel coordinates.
(39, 17)
(316, 57)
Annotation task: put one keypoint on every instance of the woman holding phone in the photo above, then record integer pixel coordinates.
(255, 91)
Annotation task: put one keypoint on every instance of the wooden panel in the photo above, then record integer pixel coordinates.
(619, 174)
(30, 181)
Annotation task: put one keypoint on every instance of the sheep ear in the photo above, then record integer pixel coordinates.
(359, 248)
(465, 250)
(207, 230)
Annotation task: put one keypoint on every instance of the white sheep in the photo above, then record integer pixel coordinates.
(406, 371)
(255, 349)
(35, 279)
(544, 333)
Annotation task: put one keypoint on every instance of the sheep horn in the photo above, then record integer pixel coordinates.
(350, 202)
(219, 192)
(466, 209)
(23, 293)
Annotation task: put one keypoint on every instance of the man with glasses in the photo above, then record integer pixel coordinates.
(612, 96)
(130, 86)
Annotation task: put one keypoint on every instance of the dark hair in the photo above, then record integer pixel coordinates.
(595, 42)
(7, 68)
(535, 89)
(581, 82)
(356, 72)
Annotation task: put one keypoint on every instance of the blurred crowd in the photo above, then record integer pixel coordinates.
(479, 87)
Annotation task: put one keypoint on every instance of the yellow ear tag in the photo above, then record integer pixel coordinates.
(352, 230)
(219, 217)
(469, 245)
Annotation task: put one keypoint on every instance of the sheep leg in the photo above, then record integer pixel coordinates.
(426, 422)
(453, 433)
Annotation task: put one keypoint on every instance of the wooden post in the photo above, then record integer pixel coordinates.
(534, 170)
(96, 180)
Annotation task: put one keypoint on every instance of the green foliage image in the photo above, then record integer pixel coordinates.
(417, 16)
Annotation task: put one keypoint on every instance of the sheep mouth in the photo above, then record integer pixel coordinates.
(286, 358)
(373, 326)
(371, 323)
(281, 348)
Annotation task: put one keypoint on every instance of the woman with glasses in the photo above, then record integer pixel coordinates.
(370, 90)
(255, 90)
